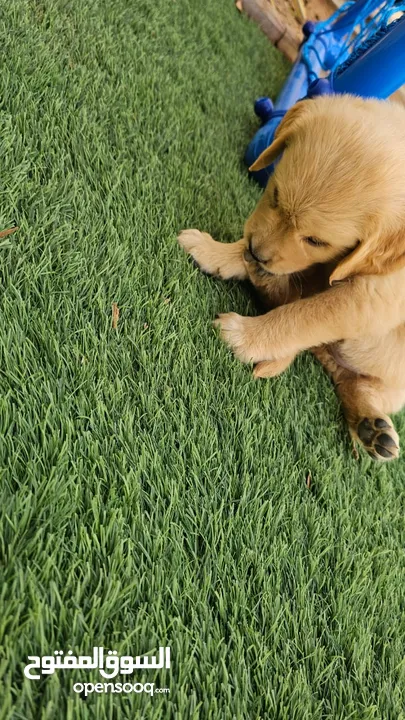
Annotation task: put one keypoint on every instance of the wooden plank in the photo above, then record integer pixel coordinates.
(299, 8)
(273, 26)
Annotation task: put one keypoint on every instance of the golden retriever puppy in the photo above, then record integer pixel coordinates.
(325, 247)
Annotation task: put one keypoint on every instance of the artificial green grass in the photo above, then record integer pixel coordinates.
(152, 493)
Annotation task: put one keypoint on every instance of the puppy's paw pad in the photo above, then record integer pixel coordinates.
(379, 438)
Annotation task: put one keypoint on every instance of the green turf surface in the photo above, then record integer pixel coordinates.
(152, 493)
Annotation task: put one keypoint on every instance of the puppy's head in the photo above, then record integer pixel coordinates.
(337, 194)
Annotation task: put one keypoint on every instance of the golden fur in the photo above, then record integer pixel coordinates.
(325, 247)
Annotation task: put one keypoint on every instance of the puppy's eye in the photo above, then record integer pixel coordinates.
(315, 242)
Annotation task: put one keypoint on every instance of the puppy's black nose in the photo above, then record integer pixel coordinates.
(252, 252)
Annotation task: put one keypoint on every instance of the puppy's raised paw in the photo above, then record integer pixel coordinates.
(202, 248)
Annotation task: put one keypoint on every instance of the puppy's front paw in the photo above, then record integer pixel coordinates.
(241, 334)
(202, 248)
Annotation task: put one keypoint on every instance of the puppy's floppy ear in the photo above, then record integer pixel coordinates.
(380, 254)
(289, 124)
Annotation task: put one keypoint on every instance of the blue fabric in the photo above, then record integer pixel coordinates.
(361, 49)
(371, 18)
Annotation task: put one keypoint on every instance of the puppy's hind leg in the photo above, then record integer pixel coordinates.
(224, 260)
(365, 403)
(272, 368)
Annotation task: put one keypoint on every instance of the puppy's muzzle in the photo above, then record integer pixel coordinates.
(251, 257)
